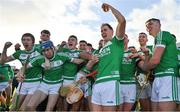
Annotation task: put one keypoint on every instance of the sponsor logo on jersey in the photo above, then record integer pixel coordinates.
(105, 51)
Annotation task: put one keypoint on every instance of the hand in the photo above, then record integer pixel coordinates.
(17, 46)
(47, 64)
(95, 58)
(63, 43)
(83, 80)
(91, 62)
(78, 61)
(105, 7)
(133, 55)
(7, 45)
(145, 50)
(141, 57)
(20, 76)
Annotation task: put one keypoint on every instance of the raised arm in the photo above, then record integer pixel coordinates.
(120, 29)
(4, 58)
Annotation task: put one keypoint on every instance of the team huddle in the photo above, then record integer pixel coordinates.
(115, 77)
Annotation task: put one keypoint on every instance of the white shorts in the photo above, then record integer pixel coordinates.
(49, 88)
(67, 82)
(165, 89)
(3, 85)
(27, 88)
(128, 93)
(146, 92)
(106, 93)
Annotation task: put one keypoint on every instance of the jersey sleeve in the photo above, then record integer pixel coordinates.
(118, 42)
(162, 39)
(16, 54)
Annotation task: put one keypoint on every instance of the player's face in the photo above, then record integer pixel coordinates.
(27, 43)
(89, 49)
(142, 39)
(82, 46)
(101, 43)
(72, 42)
(153, 27)
(44, 37)
(106, 33)
(133, 50)
(48, 53)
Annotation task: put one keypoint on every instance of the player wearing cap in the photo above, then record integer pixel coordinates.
(52, 78)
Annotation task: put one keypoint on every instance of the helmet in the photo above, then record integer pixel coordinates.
(47, 44)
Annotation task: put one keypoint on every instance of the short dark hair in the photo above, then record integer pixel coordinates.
(28, 35)
(108, 25)
(153, 19)
(131, 47)
(82, 41)
(73, 36)
(89, 44)
(143, 33)
(46, 32)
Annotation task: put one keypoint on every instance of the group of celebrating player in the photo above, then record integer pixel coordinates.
(115, 77)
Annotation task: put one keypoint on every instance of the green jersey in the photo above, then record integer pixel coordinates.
(53, 75)
(169, 61)
(6, 72)
(38, 46)
(70, 69)
(31, 74)
(128, 69)
(110, 58)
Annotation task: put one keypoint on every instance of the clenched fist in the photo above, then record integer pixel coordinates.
(105, 7)
(7, 45)
(17, 46)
